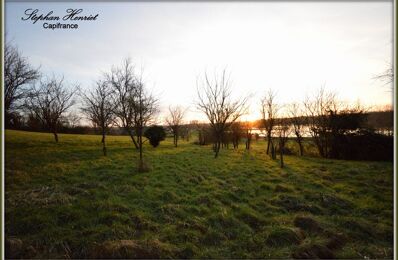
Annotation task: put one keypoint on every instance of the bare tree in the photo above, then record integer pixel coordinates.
(174, 121)
(124, 83)
(387, 76)
(248, 131)
(215, 101)
(318, 108)
(236, 134)
(282, 130)
(269, 110)
(135, 106)
(50, 101)
(146, 107)
(297, 121)
(98, 108)
(185, 131)
(18, 74)
(203, 132)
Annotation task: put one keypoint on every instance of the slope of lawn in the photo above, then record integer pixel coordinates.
(66, 200)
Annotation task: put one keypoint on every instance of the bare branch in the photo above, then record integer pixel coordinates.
(18, 74)
(174, 121)
(50, 101)
(215, 101)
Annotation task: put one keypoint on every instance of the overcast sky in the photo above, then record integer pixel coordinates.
(291, 47)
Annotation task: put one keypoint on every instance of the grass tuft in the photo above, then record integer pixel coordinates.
(281, 236)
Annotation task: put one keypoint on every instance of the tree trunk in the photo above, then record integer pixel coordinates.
(301, 148)
(175, 140)
(248, 141)
(134, 141)
(236, 143)
(103, 143)
(141, 160)
(141, 157)
(268, 142)
(55, 136)
(319, 146)
(217, 148)
(281, 153)
(273, 150)
(177, 134)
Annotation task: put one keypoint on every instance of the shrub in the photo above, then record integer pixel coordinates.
(155, 134)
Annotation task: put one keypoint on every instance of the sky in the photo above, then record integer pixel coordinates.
(293, 48)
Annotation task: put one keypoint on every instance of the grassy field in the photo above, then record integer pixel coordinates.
(67, 200)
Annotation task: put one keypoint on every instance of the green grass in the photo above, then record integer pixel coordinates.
(65, 199)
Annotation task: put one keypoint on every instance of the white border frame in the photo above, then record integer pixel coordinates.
(394, 2)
